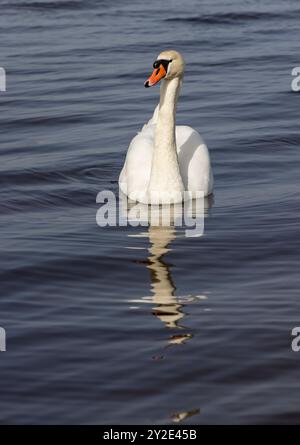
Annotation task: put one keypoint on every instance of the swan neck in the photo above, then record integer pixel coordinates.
(165, 174)
(169, 93)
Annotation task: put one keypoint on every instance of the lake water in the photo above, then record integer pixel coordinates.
(144, 325)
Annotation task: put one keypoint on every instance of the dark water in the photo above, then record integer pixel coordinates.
(106, 327)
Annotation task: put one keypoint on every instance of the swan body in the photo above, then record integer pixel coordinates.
(164, 160)
(193, 160)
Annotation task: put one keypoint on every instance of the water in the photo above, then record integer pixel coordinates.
(104, 326)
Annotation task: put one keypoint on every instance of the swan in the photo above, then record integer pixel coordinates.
(164, 160)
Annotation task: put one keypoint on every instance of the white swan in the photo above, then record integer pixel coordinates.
(163, 160)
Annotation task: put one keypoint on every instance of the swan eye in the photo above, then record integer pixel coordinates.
(163, 62)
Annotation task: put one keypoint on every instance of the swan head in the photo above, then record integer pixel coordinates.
(168, 65)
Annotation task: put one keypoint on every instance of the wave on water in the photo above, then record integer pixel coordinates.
(232, 17)
(52, 4)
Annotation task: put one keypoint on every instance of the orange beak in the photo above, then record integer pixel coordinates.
(158, 74)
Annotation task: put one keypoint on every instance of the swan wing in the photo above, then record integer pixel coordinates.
(135, 175)
(194, 160)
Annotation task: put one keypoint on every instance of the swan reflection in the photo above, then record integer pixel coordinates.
(167, 309)
(166, 305)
